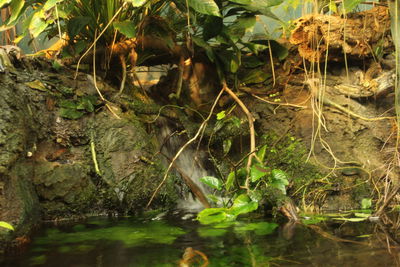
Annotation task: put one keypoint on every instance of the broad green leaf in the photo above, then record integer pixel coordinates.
(227, 146)
(6, 225)
(243, 204)
(277, 49)
(207, 7)
(209, 50)
(212, 215)
(136, 3)
(240, 26)
(76, 24)
(229, 180)
(279, 180)
(37, 25)
(212, 27)
(255, 76)
(261, 153)
(313, 220)
(366, 203)
(126, 27)
(67, 104)
(350, 5)
(221, 115)
(243, 2)
(50, 4)
(16, 8)
(257, 171)
(72, 114)
(212, 182)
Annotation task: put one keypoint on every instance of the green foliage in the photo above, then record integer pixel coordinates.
(6, 225)
(74, 109)
(366, 203)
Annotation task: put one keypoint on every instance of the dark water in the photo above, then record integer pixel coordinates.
(133, 242)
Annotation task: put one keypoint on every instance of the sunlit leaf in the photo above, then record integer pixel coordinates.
(207, 7)
(6, 225)
(350, 219)
(126, 27)
(37, 25)
(4, 2)
(212, 182)
(16, 7)
(50, 4)
(243, 204)
(362, 215)
(212, 215)
(221, 115)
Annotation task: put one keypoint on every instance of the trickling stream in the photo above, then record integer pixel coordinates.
(146, 242)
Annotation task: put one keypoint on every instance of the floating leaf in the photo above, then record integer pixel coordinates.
(6, 225)
(38, 85)
(212, 182)
(350, 219)
(210, 232)
(207, 7)
(212, 215)
(259, 228)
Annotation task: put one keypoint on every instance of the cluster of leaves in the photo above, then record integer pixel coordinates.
(242, 200)
(224, 29)
(74, 109)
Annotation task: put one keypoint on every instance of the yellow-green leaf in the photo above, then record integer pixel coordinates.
(6, 225)
(36, 84)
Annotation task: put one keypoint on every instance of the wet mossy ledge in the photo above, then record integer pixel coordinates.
(55, 167)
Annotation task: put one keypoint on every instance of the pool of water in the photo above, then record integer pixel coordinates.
(173, 241)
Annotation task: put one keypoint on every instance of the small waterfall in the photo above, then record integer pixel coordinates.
(189, 165)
